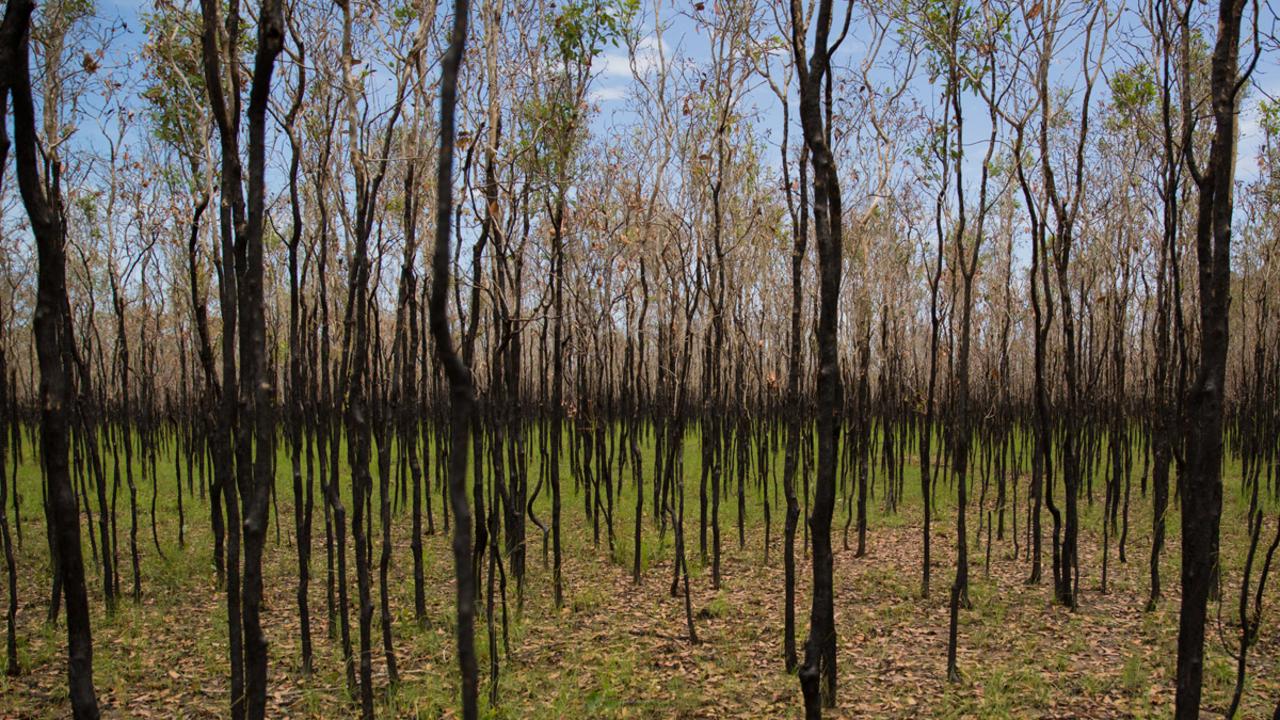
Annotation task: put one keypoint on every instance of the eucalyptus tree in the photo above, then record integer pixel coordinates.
(8, 432)
(123, 238)
(573, 37)
(679, 285)
(963, 41)
(12, 666)
(728, 25)
(92, 408)
(409, 342)
(685, 277)
(296, 386)
(1258, 385)
(1201, 484)
(1158, 90)
(39, 183)
(174, 94)
(10, 437)
(1057, 198)
(461, 387)
(320, 124)
(1040, 492)
(818, 674)
(249, 404)
(871, 155)
(656, 88)
(13, 265)
(125, 432)
(798, 215)
(1065, 195)
(1122, 161)
(370, 148)
(507, 449)
(1000, 356)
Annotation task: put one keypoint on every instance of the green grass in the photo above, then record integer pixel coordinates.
(584, 661)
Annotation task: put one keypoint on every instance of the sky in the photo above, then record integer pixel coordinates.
(684, 38)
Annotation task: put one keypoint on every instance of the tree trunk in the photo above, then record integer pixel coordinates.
(55, 348)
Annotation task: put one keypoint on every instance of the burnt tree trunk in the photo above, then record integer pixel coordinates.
(461, 389)
(1201, 484)
(55, 347)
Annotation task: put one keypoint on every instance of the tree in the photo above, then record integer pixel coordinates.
(55, 344)
(250, 411)
(820, 648)
(1201, 485)
(461, 389)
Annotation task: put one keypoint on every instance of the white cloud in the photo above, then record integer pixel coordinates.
(607, 93)
(616, 63)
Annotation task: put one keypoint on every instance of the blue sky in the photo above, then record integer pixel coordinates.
(684, 38)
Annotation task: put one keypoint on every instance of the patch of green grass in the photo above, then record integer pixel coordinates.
(1096, 685)
(1135, 676)
(1013, 667)
(717, 607)
(586, 599)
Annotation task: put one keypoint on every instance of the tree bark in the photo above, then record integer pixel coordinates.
(55, 348)
(461, 390)
(820, 648)
(1201, 484)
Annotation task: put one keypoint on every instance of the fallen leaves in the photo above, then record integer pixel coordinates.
(618, 649)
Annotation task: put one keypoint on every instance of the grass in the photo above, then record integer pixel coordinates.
(619, 650)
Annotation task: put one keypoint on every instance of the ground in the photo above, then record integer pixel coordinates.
(620, 650)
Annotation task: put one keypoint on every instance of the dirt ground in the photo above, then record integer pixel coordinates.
(621, 650)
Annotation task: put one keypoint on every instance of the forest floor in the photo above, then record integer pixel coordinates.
(621, 650)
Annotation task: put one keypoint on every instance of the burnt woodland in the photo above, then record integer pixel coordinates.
(635, 358)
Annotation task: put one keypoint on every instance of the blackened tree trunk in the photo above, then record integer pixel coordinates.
(54, 346)
(1042, 315)
(461, 389)
(12, 668)
(1163, 423)
(256, 386)
(820, 648)
(637, 406)
(363, 413)
(926, 428)
(967, 255)
(8, 427)
(207, 420)
(408, 421)
(557, 390)
(125, 431)
(1201, 484)
(302, 498)
(791, 458)
(248, 404)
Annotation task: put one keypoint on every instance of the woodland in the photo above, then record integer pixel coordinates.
(637, 358)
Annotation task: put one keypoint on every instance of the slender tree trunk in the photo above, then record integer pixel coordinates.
(461, 390)
(55, 347)
(1201, 484)
(820, 649)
